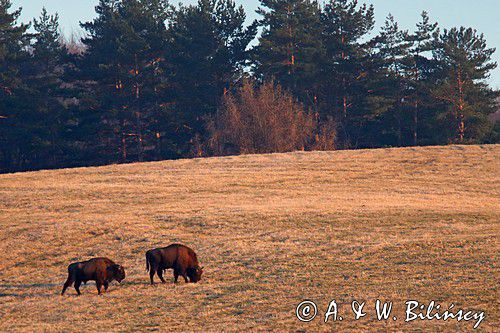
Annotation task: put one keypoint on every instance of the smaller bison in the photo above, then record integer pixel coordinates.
(179, 257)
(100, 270)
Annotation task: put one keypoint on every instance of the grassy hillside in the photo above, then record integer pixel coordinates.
(270, 230)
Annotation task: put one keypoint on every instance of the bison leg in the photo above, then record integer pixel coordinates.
(176, 275)
(98, 284)
(106, 285)
(160, 275)
(182, 273)
(151, 276)
(68, 283)
(77, 286)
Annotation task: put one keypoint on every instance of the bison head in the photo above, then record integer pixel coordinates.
(195, 274)
(118, 272)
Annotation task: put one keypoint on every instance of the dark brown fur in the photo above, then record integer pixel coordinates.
(181, 258)
(100, 270)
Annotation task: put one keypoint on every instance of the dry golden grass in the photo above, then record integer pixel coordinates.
(271, 230)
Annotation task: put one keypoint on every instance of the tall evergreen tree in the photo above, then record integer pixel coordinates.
(206, 54)
(290, 46)
(420, 74)
(14, 41)
(47, 93)
(345, 26)
(390, 85)
(15, 137)
(124, 49)
(465, 63)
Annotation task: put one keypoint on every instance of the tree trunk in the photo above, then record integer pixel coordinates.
(344, 85)
(415, 124)
(123, 142)
(124, 148)
(139, 137)
(140, 147)
(291, 56)
(415, 107)
(460, 116)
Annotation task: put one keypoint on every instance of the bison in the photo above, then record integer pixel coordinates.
(100, 270)
(179, 257)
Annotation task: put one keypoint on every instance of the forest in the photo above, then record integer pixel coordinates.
(148, 80)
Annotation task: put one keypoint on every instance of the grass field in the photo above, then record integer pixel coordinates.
(270, 230)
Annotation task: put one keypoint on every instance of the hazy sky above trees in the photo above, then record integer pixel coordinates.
(481, 15)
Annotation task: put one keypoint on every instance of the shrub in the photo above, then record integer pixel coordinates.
(266, 119)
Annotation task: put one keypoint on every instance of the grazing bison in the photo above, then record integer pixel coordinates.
(100, 270)
(179, 257)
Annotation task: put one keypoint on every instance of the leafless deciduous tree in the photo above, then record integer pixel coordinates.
(266, 119)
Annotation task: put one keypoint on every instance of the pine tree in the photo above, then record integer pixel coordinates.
(124, 49)
(465, 63)
(420, 73)
(99, 75)
(14, 137)
(46, 93)
(345, 25)
(14, 40)
(390, 85)
(205, 55)
(290, 46)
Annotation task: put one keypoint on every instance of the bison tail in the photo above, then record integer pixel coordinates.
(147, 263)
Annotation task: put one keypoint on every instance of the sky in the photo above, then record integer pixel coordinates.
(479, 14)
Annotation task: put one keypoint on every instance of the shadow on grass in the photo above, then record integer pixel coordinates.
(146, 283)
(30, 286)
(55, 288)
(11, 295)
(30, 290)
